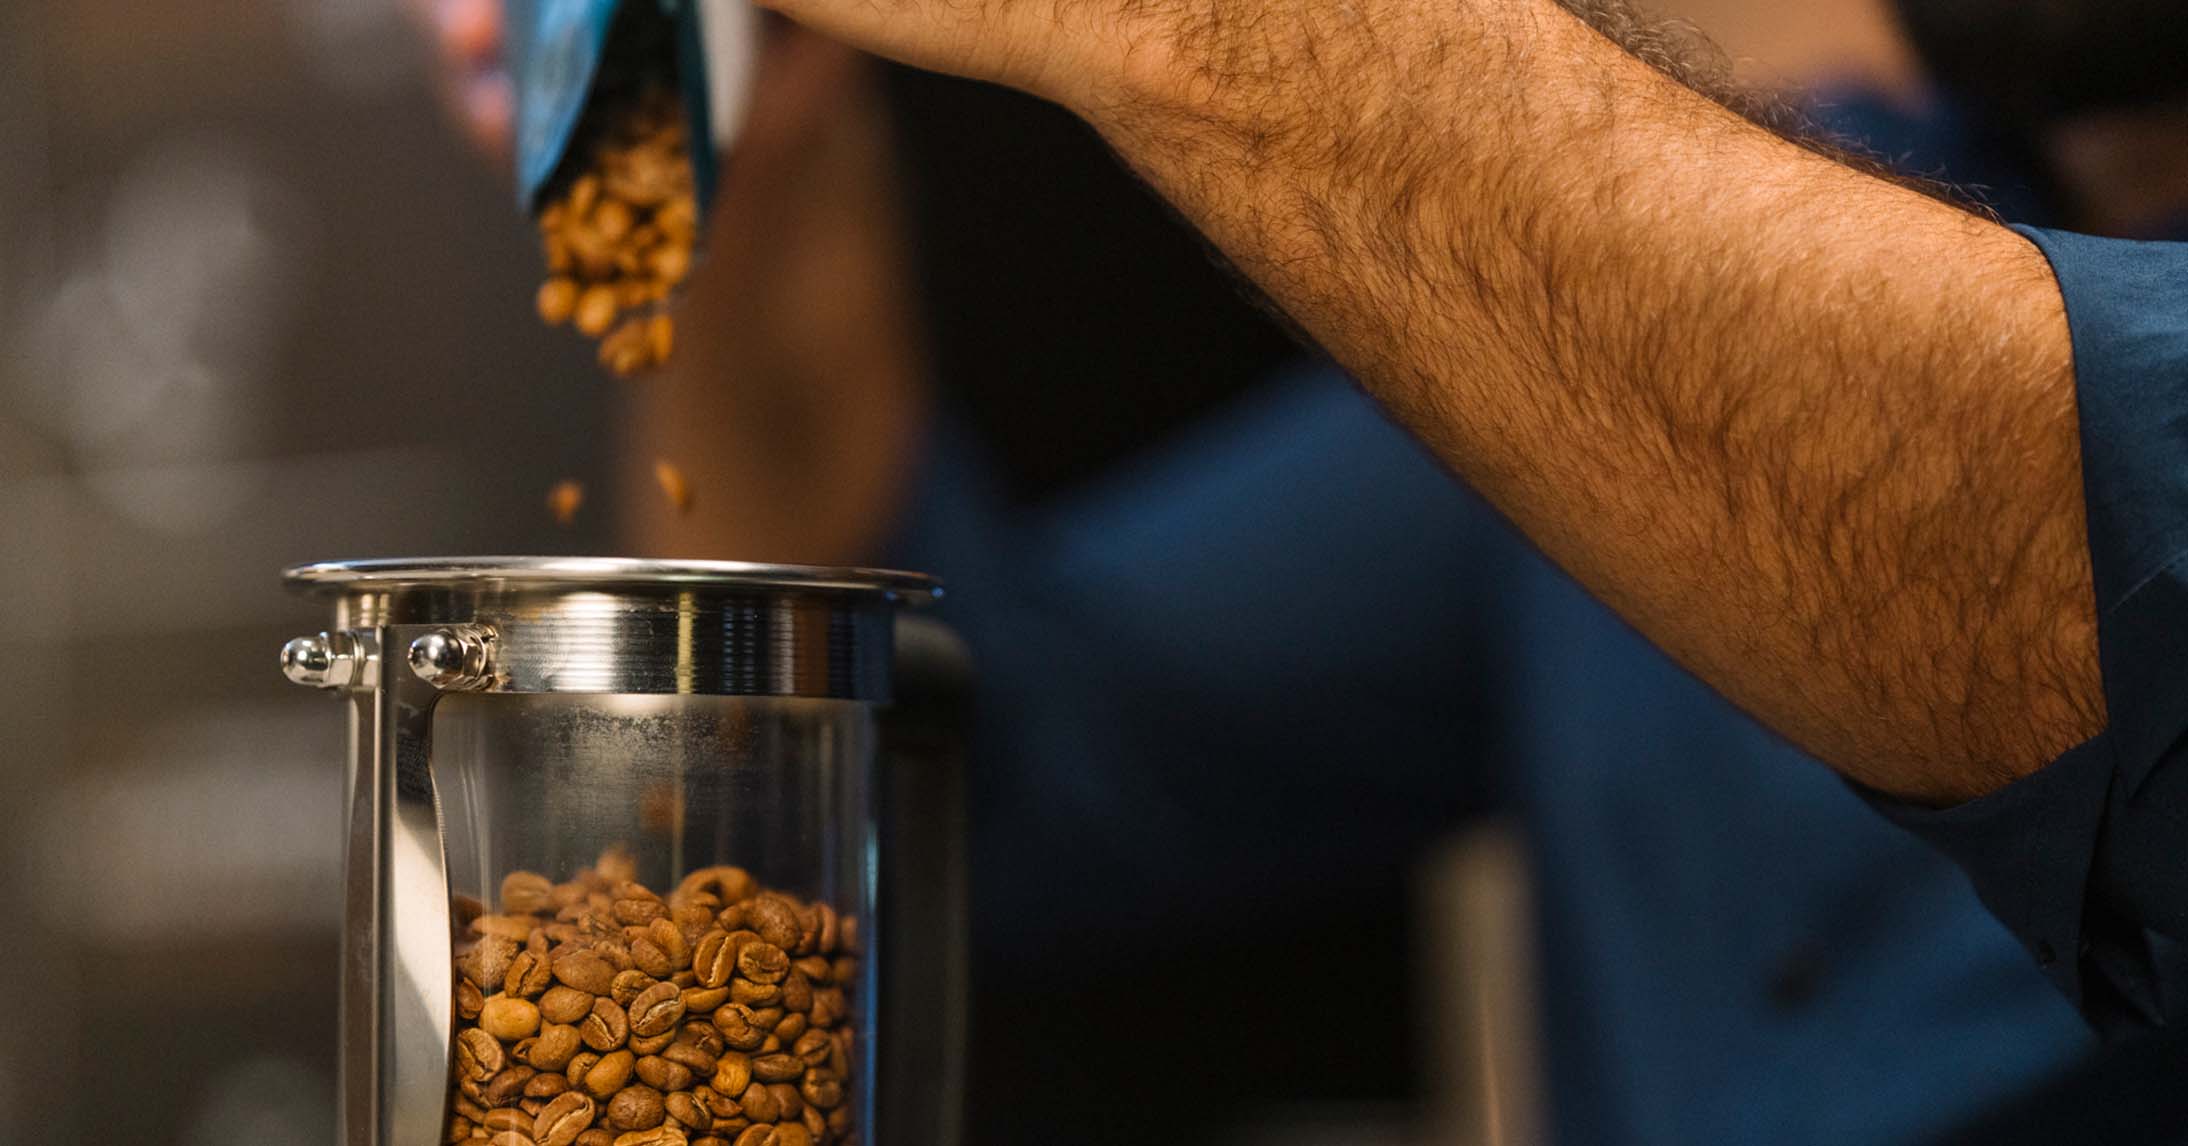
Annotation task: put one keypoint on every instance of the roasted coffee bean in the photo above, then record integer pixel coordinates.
(797, 993)
(791, 1028)
(664, 1075)
(459, 1128)
(546, 1084)
(829, 1006)
(758, 1104)
(636, 1108)
(651, 1044)
(488, 963)
(529, 975)
(812, 1047)
(777, 1067)
(606, 1028)
(650, 958)
(512, 927)
(763, 962)
(596, 1138)
(657, 1010)
(691, 1056)
(634, 912)
(509, 1019)
(704, 1000)
(776, 920)
(686, 1111)
(732, 1074)
(478, 1055)
(628, 985)
(822, 1087)
(720, 1105)
(738, 1027)
(511, 1138)
(816, 1123)
(470, 1000)
(612, 1073)
(505, 1088)
(564, 1005)
(753, 994)
(714, 960)
(658, 1136)
(788, 1102)
(564, 1119)
(584, 970)
(556, 1046)
(507, 1118)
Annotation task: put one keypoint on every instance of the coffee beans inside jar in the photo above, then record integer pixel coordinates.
(620, 238)
(595, 1012)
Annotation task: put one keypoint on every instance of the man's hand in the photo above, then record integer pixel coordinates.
(1811, 432)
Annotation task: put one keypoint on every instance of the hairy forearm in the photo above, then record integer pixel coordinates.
(1811, 432)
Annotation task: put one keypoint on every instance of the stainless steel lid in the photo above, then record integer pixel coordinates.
(609, 625)
(517, 573)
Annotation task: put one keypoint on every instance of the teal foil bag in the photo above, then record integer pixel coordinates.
(557, 52)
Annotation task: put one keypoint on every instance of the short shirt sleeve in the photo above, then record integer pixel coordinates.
(2087, 861)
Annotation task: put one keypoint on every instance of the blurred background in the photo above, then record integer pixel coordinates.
(263, 303)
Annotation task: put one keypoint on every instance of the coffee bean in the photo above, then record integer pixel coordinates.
(650, 958)
(564, 1004)
(753, 994)
(508, 1086)
(674, 485)
(528, 974)
(651, 1044)
(581, 1064)
(777, 1067)
(612, 1073)
(812, 1047)
(704, 1000)
(685, 1111)
(564, 1120)
(596, 1138)
(470, 1000)
(791, 1028)
(584, 970)
(658, 1136)
(507, 1118)
(546, 1084)
(763, 963)
(637, 1107)
(720, 1105)
(488, 963)
(509, 1019)
(797, 993)
(478, 1055)
(511, 1138)
(822, 1087)
(664, 1075)
(788, 1102)
(714, 960)
(758, 1103)
(657, 1009)
(738, 1027)
(733, 1073)
(556, 1045)
(459, 1128)
(776, 921)
(628, 985)
(816, 1123)
(515, 927)
(606, 1028)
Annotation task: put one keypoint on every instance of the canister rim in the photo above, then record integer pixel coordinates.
(605, 572)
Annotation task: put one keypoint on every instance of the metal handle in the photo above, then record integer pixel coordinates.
(398, 982)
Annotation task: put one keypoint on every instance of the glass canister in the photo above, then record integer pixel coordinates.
(612, 857)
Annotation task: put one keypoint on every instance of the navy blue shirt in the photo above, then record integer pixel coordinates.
(2087, 862)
